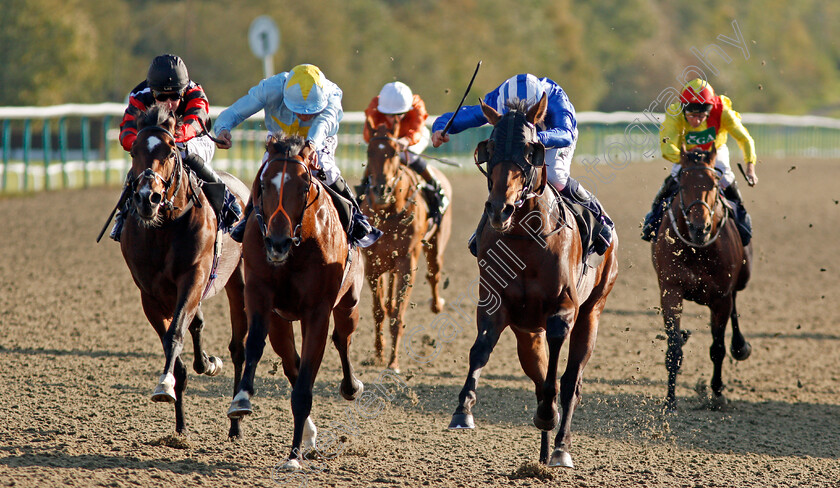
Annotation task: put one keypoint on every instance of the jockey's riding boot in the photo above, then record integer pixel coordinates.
(359, 231)
(654, 217)
(742, 218)
(119, 219)
(435, 197)
(238, 232)
(214, 189)
(473, 242)
(602, 226)
(361, 189)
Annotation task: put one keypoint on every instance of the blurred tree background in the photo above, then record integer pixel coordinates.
(608, 55)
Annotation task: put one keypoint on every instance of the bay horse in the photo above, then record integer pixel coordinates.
(168, 243)
(534, 277)
(298, 267)
(700, 258)
(394, 203)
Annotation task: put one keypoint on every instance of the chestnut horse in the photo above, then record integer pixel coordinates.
(168, 243)
(394, 203)
(298, 266)
(533, 277)
(700, 258)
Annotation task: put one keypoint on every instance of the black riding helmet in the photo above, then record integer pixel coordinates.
(168, 73)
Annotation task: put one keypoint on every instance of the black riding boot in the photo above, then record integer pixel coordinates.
(603, 225)
(359, 230)
(654, 217)
(433, 193)
(472, 244)
(742, 218)
(238, 232)
(214, 188)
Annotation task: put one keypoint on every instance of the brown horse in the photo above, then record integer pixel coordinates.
(168, 243)
(394, 202)
(699, 257)
(533, 278)
(298, 266)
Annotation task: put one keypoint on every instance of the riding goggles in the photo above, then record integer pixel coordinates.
(166, 96)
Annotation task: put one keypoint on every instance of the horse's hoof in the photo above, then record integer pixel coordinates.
(670, 406)
(718, 403)
(214, 367)
(742, 353)
(353, 393)
(560, 459)
(437, 306)
(292, 465)
(165, 390)
(685, 334)
(462, 421)
(240, 406)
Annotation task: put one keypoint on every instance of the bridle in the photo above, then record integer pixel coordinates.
(684, 209)
(258, 203)
(513, 152)
(174, 180)
(387, 190)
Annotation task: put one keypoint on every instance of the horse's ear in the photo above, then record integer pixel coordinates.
(395, 130)
(489, 113)
(483, 151)
(369, 124)
(536, 114)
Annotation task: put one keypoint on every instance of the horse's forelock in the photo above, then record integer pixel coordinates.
(517, 105)
(286, 145)
(154, 116)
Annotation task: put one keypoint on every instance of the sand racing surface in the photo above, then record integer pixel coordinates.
(79, 362)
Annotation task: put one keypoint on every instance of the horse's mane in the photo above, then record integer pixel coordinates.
(287, 145)
(154, 116)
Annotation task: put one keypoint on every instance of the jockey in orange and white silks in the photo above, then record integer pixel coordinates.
(702, 121)
(396, 104)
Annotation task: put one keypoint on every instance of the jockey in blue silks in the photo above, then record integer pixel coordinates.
(557, 132)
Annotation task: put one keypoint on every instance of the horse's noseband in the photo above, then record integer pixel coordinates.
(258, 210)
(150, 174)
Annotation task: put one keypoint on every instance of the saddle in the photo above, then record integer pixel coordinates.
(587, 223)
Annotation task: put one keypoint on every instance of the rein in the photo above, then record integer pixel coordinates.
(685, 209)
(258, 207)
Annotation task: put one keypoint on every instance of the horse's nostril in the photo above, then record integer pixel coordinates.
(507, 211)
(155, 198)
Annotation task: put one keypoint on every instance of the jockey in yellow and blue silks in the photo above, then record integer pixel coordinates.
(703, 120)
(301, 102)
(558, 133)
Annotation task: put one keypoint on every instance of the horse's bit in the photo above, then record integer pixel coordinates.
(149, 173)
(685, 209)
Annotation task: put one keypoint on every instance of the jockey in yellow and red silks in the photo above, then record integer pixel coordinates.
(700, 121)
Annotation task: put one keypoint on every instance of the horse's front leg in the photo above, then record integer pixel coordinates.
(259, 310)
(530, 347)
(378, 289)
(405, 275)
(490, 327)
(315, 325)
(235, 290)
(203, 363)
(186, 305)
(721, 309)
(671, 301)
